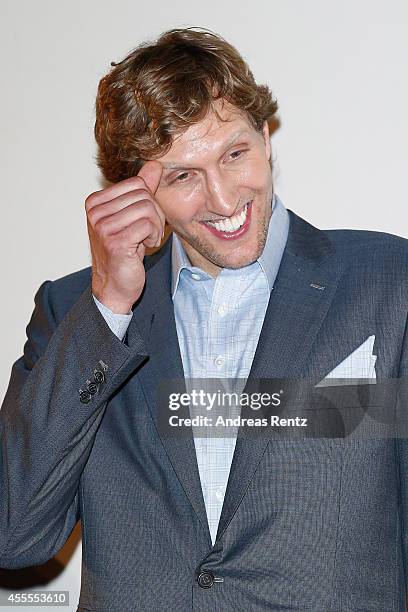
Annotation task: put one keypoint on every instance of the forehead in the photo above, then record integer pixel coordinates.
(209, 133)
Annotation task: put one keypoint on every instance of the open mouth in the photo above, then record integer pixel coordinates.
(233, 226)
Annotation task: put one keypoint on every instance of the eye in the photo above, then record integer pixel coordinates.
(237, 153)
(181, 177)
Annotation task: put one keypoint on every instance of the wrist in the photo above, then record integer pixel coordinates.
(117, 306)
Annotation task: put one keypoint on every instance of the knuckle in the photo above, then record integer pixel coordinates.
(92, 217)
(89, 200)
(115, 243)
(113, 246)
(148, 224)
(102, 228)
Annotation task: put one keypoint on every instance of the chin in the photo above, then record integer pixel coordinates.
(240, 261)
(224, 258)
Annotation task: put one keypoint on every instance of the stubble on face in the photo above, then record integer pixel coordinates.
(199, 251)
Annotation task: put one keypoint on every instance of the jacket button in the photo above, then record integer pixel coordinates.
(99, 376)
(85, 397)
(205, 580)
(92, 388)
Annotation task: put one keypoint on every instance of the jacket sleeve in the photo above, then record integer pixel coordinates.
(47, 426)
(402, 453)
(118, 323)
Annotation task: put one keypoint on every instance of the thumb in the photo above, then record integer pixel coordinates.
(151, 173)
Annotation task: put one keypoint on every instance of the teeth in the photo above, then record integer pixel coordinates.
(231, 224)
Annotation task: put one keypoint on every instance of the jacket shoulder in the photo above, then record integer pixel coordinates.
(371, 258)
(366, 248)
(362, 239)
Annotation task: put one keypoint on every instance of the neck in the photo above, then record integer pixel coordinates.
(198, 260)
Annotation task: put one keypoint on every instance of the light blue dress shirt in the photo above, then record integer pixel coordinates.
(218, 322)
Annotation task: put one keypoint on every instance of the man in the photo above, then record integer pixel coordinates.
(243, 289)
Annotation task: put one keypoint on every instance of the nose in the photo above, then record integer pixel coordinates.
(222, 194)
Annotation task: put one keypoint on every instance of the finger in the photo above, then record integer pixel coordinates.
(142, 231)
(129, 215)
(117, 204)
(161, 215)
(151, 173)
(109, 193)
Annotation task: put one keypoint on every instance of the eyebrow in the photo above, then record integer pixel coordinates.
(225, 146)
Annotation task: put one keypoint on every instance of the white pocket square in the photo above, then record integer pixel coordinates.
(360, 364)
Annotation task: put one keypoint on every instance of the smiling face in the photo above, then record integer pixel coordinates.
(216, 190)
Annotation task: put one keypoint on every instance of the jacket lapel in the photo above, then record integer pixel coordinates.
(153, 319)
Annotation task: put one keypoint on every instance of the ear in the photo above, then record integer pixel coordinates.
(267, 139)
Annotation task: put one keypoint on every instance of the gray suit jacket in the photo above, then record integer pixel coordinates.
(314, 525)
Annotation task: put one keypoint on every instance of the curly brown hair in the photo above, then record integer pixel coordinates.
(157, 91)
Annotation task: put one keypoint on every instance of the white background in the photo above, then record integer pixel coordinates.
(338, 70)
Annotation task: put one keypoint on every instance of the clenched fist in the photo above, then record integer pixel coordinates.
(122, 221)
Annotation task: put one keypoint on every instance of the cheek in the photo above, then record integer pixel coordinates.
(191, 195)
(256, 175)
(181, 207)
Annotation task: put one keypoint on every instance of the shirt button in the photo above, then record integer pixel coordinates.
(219, 494)
(222, 310)
(219, 361)
(195, 276)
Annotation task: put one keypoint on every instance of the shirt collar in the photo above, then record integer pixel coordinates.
(269, 260)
